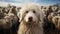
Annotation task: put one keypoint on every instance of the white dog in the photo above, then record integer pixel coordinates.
(31, 19)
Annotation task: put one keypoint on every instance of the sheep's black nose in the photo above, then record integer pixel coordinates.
(57, 18)
(30, 19)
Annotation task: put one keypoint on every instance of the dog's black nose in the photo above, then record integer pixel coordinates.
(30, 19)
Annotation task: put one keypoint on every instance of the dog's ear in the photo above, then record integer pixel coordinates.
(40, 12)
(41, 16)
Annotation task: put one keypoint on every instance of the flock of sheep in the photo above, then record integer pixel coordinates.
(51, 19)
(9, 21)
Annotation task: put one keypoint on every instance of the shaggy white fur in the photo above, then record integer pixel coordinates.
(31, 19)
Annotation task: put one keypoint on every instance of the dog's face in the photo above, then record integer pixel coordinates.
(30, 14)
(55, 19)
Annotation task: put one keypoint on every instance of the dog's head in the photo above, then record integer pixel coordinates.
(30, 14)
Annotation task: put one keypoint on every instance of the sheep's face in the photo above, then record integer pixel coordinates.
(55, 19)
(10, 20)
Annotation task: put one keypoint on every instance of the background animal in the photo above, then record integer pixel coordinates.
(51, 20)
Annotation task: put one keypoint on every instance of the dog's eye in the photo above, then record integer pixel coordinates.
(34, 12)
(26, 11)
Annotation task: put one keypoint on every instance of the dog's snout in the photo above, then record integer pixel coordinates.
(30, 19)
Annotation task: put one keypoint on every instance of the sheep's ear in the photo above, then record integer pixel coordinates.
(18, 14)
(41, 7)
